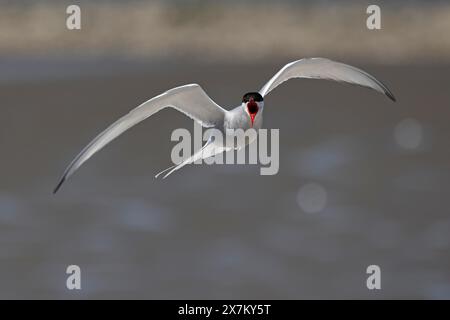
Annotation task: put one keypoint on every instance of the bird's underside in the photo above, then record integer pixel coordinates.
(192, 100)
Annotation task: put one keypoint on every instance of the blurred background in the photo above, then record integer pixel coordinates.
(362, 180)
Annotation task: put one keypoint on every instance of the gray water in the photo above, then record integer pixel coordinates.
(224, 231)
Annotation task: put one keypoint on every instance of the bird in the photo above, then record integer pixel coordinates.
(193, 101)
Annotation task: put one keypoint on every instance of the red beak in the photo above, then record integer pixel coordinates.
(252, 108)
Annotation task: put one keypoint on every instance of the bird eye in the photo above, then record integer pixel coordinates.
(252, 95)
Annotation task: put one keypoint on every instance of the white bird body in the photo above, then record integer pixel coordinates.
(195, 103)
(238, 118)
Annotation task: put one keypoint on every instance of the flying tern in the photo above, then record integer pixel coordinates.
(192, 100)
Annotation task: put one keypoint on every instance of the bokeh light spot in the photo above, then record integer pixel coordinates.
(312, 198)
(408, 134)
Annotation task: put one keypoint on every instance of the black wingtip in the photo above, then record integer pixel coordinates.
(59, 185)
(391, 96)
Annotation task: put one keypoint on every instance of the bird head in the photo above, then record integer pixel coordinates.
(253, 103)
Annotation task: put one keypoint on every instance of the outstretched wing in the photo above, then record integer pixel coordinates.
(189, 99)
(321, 68)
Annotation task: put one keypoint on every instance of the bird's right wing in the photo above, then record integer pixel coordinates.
(321, 68)
(189, 99)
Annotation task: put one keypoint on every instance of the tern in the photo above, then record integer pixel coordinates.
(193, 101)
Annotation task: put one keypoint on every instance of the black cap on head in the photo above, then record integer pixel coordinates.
(255, 95)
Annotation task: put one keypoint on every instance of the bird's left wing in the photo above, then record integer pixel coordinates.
(321, 68)
(189, 99)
